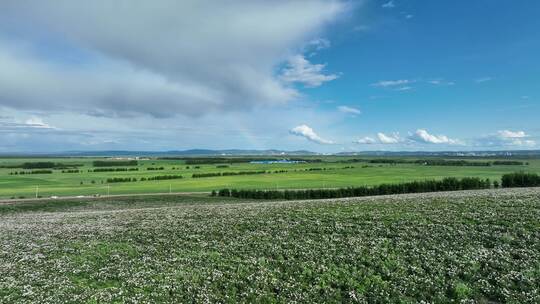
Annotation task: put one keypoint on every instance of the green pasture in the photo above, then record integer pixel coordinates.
(336, 174)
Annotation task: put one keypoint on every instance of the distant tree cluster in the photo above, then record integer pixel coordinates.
(41, 165)
(71, 171)
(438, 162)
(143, 179)
(121, 180)
(161, 177)
(520, 179)
(114, 163)
(31, 172)
(232, 160)
(114, 169)
(38, 165)
(508, 163)
(447, 184)
(214, 174)
(155, 168)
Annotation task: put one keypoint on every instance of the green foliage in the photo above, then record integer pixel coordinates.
(214, 174)
(114, 163)
(114, 170)
(447, 184)
(32, 172)
(155, 168)
(520, 179)
(508, 163)
(331, 172)
(164, 177)
(121, 179)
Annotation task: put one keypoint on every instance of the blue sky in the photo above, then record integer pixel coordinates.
(326, 76)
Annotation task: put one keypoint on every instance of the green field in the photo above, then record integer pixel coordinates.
(335, 175)
(459, 247)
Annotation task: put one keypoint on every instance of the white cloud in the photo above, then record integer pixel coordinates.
(381, 138)
(10, 124)
(441, 82)
(511, 134)
(366, 141)
(36, 122)
(391, 83)
(507, 138)
(405, 88)
(308, 133)
(423, 136)
(300, 70)
(409, 16)
(388, 139)
(483, 79)
(320, 43)
(349, 110)
(389, 4)
(160, 58)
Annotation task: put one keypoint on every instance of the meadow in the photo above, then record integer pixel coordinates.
(459, 247)
(330, 172)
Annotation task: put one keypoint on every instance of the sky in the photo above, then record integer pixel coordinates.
(320, 75)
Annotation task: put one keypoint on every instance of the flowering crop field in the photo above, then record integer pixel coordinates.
(474, 246)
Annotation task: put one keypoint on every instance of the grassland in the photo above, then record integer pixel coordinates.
(296, 177)
(478, 246)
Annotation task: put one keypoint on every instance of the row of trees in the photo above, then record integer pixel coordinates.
(41, 165)
(439, 162)
(31, 172)
(232, 160)
(162, 177)
(115, 163)
(143, 179)
(214, 174)
(447, 184)
(520, 179)
(155, 168)
(508, 163)
(121, 180)
(114, 169)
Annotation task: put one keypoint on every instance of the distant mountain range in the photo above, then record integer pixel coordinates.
(272, 152)
(526, 153)
(187, 153)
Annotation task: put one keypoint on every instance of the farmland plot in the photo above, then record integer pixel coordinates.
(477, 246)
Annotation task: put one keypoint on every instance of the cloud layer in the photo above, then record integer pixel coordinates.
(308, 133)
(423, 136)
(165, 58)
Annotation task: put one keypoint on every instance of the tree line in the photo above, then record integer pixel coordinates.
(447, 184)
(114, 163)
(41, 165)
(439, 162)
(161, 177)
(134, 179)
(232, 160)
(214, 174)
(114, 169)
(31, 172)
(519, 179)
